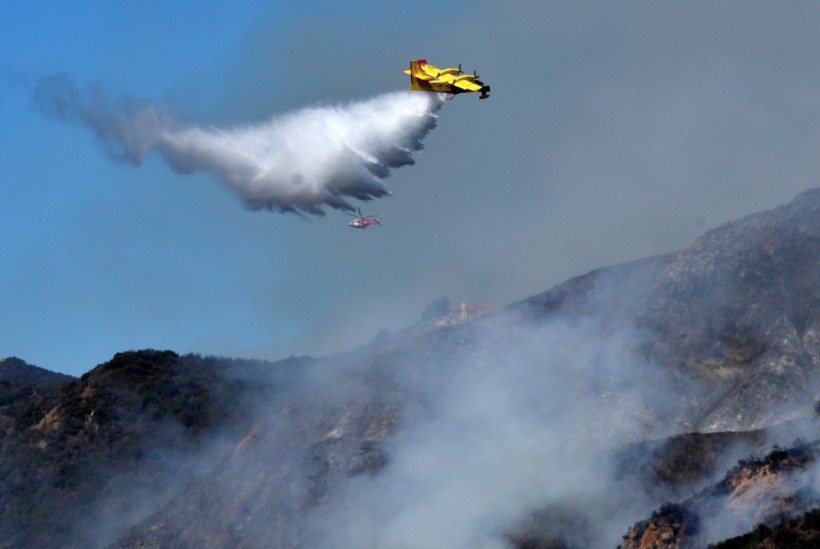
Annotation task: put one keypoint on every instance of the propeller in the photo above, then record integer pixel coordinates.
(360, 215)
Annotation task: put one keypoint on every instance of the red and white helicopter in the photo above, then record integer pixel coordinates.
(363, 221)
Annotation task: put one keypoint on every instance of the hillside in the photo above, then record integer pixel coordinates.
(90, 449)
(735, 317)
(621, 397)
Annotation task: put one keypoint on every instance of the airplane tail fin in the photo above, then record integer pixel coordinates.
(415, 70)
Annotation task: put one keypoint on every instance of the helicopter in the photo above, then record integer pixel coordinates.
(363, 221)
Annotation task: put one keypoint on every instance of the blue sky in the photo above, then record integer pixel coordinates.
(615, 131)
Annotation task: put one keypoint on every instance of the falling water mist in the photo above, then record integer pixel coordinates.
(300, 161)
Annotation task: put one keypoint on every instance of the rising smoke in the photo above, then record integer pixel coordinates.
(300, 161)
(529, 420)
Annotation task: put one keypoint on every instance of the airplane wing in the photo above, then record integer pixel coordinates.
(430, 70)
(467, 84)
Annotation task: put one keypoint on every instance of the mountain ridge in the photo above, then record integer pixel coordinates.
(720, 337)
(16, 370)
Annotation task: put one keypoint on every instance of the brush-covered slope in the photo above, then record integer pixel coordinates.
(79, 454)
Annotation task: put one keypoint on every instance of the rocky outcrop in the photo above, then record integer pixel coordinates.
(767, 491)
(672, 526)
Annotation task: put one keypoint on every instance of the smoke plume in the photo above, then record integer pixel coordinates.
(528, 421)
(296, 162)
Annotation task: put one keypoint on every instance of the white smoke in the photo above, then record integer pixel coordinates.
(526, 422)
(296, 162)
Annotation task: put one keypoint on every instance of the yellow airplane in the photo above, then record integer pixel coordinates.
(424, 77)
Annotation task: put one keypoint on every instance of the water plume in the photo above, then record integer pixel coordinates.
(300, 161)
